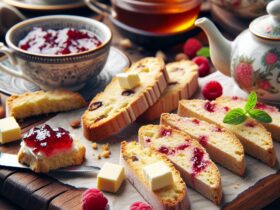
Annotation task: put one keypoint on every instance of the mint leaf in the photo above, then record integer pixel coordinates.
(235, 117)
(251, 102)
(260, 116)
(204, 51)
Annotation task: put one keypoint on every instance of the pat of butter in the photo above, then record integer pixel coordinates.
(128, 80)
(158, 175)
(110, 177)
(9, 130)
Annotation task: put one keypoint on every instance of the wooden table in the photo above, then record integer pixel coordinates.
(26, 190)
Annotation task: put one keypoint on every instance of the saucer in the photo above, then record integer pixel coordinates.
(116, 62)
(24, 4)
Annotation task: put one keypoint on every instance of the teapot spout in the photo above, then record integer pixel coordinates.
(220, 47)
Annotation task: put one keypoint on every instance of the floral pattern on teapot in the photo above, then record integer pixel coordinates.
(261, 79)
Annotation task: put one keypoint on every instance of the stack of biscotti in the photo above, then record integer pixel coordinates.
(273, 127)
(256, 140)
(134, 158)
(183, 83)
(115, 108)
(188, 156)
(222, 146)
(43, 102)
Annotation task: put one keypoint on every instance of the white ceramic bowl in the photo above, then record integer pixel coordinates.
(57, 71)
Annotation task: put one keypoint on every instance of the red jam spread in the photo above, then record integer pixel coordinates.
(210, 107)
(165, 150)
(199, 164)
(250, 124)
(59, 42)
(264, 107)
(165, 132)
(203, 140)
(48, 140)
(196, 121)
(183, 147)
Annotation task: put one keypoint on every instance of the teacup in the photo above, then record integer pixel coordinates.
(70, 71)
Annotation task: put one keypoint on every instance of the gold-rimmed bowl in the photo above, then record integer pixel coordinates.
(70, 71)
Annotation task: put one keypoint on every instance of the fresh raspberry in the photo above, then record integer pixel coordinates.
(140, 206)
(94, 199)
(203, 65)
(191, 47)
(212, 90)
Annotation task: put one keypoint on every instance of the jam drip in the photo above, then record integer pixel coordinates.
(47, 140)
(210, 107)
(59, 42)
(199, 164)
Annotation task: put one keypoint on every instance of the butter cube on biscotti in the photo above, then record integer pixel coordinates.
(128, 80)
(158, 175)
(110, 177)
(9, 130)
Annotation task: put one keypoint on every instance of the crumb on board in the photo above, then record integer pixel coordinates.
(126, 43)
(106, 154)
(94, 146)
(105, 147)
(181, 56)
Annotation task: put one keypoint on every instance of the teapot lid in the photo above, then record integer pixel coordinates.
(268, 26)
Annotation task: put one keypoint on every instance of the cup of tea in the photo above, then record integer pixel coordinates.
(57, 51)
(150, 18)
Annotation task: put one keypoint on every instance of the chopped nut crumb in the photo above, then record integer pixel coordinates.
(160, 54)
(105, 147)
(181, 56)
(75, 124)
(94, 146)
(98, 156)
(106, 154)
(126, 43)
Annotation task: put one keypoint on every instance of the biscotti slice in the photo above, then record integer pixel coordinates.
(255, 139)
(41, 102)
(183, 83)
(273, 127)
(134, 158)
(115, 108)
(44, 149)
(188, 156)
(222, 146)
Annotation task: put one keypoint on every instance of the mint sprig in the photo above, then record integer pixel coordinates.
(204, 51)
(238, 115)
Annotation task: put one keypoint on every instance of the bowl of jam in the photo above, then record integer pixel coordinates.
(58, 51)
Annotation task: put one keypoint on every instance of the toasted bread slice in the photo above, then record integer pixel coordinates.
(41, 102)
(222, 146)
(115, 108)
(188, 156)
(134, 157)
(183, 83)
(255, 139)
(43, 164)
(273, 127)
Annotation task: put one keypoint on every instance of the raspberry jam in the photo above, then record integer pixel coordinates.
(264, 107)
(196, 121)
(59, 42)
(198, 163)
(183, 147)
(203, 140)
(47, 140)
(166, 151)
(226, 108)
(165, 132)
(250, 124)
(210, 107)
(217, 129)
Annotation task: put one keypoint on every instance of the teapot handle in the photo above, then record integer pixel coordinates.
(273, 8)
(98, 7)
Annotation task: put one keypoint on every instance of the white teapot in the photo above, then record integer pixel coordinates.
(253, 58)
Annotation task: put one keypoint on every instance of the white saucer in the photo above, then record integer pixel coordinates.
(25, 4)
(116, 62)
